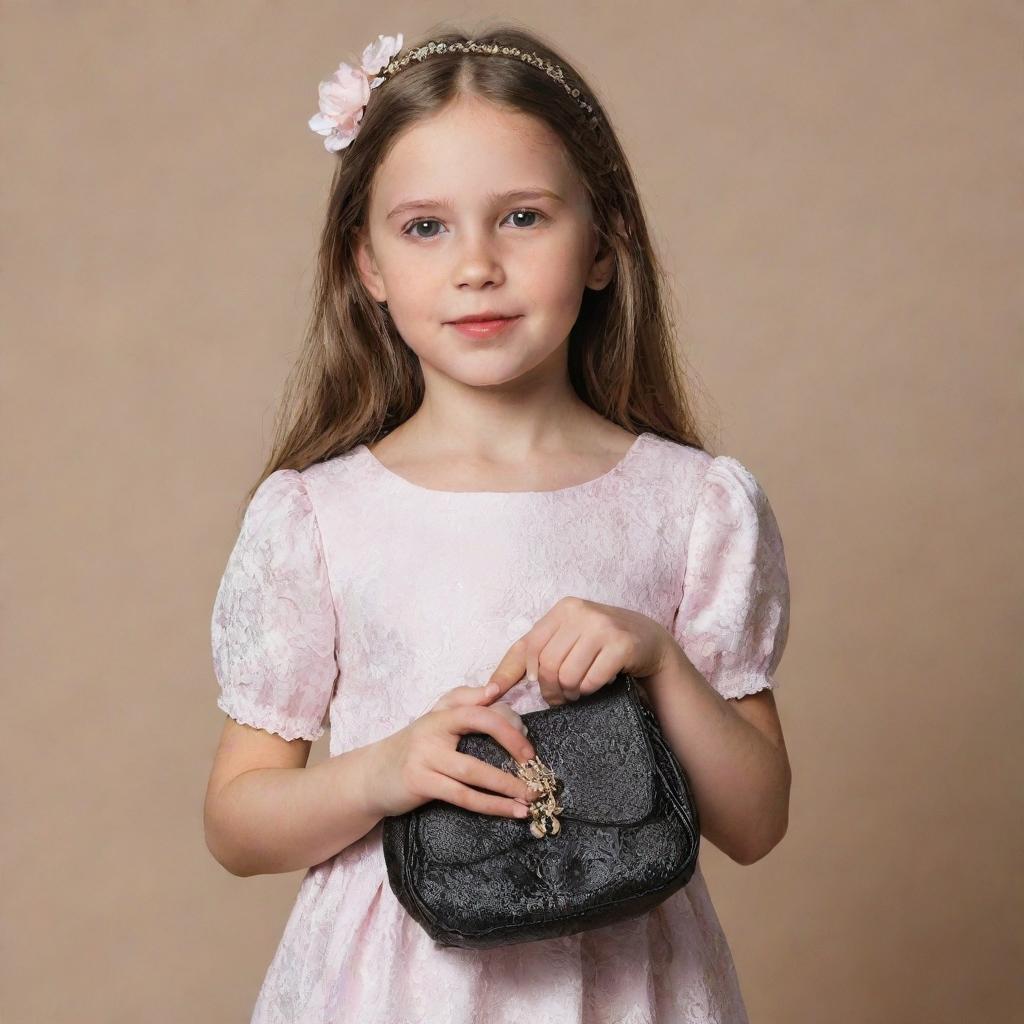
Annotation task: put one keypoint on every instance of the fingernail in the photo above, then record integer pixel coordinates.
(492, 689)
(524, 729)
(531, 676)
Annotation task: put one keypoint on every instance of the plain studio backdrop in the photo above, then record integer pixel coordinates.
(835, 188)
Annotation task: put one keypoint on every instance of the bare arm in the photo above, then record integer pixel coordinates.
(733, 753)
(267, 820)
(266, 812)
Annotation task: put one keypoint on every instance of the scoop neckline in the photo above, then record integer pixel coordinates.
(383, 470)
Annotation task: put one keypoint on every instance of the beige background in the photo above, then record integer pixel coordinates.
(836, 188)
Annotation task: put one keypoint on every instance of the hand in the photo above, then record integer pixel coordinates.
(420, 763)
(579, 646)
(469, 696)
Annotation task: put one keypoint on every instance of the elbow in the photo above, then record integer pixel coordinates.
(772, 830)
(231, 865)
(223, 859)
(227, 866)
(222, 851)
(755, 851)
(753, 854)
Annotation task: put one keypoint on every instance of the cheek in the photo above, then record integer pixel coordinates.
(553, 301)
(557, 297)
(553, 282)
(414, 306)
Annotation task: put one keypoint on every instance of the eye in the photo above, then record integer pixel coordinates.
(529, 213)
(416, 223)
(410, 228)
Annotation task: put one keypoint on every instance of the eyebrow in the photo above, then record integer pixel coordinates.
(447, 204)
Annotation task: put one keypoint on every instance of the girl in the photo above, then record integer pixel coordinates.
(487, 496)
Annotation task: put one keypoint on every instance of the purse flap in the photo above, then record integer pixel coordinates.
(598, 750)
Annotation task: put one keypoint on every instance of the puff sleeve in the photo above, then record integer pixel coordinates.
(273, 627)
(733, 618)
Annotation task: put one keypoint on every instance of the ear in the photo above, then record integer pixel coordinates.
(603, 268)
(366, 265)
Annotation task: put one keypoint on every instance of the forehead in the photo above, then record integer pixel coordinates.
(470, 148)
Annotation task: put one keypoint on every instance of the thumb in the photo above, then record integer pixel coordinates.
(485, 694)
(511, 669)
(467, 694)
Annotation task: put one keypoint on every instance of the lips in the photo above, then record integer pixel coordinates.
(488, 316)
(484, 328)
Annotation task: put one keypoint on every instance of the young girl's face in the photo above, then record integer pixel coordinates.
(447, 237)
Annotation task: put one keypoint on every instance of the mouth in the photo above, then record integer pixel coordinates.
(484, 328)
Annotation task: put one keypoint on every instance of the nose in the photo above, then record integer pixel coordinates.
(478, 261)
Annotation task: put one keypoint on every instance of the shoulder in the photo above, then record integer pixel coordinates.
(296, 493)
(688, 470)
(706, 471)
(673, 457)
(285, 509)
(325, 482)
(698, 483)
(726, 476)
(279, 528)
(282, 496)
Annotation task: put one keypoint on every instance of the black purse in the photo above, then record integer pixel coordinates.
(613, 831)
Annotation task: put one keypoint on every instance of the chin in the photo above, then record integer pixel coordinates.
(496, 366)
(483, 377)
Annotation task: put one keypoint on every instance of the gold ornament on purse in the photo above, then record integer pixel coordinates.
(539, 777)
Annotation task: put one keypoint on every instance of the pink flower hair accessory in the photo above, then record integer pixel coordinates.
(343, 96)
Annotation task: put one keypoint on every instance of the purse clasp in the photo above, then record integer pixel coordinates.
(540, 778)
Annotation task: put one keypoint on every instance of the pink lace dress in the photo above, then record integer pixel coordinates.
(353, 598)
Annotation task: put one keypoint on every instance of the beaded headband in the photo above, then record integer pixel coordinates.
(343, 96)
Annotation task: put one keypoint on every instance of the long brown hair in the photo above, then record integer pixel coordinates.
(355, 379)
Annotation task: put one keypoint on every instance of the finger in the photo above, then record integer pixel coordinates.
(489, 693)
(555, 641)
(603, 670)
(484, 694)
(487, 720)
(468, 694)
(506, 711)
(472, 771)
(448, 789)
(578, 667)
(511, 669)
(548, 670)
(450, 699)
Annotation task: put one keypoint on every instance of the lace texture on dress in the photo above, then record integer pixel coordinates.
(273, 628)
(733, 620)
